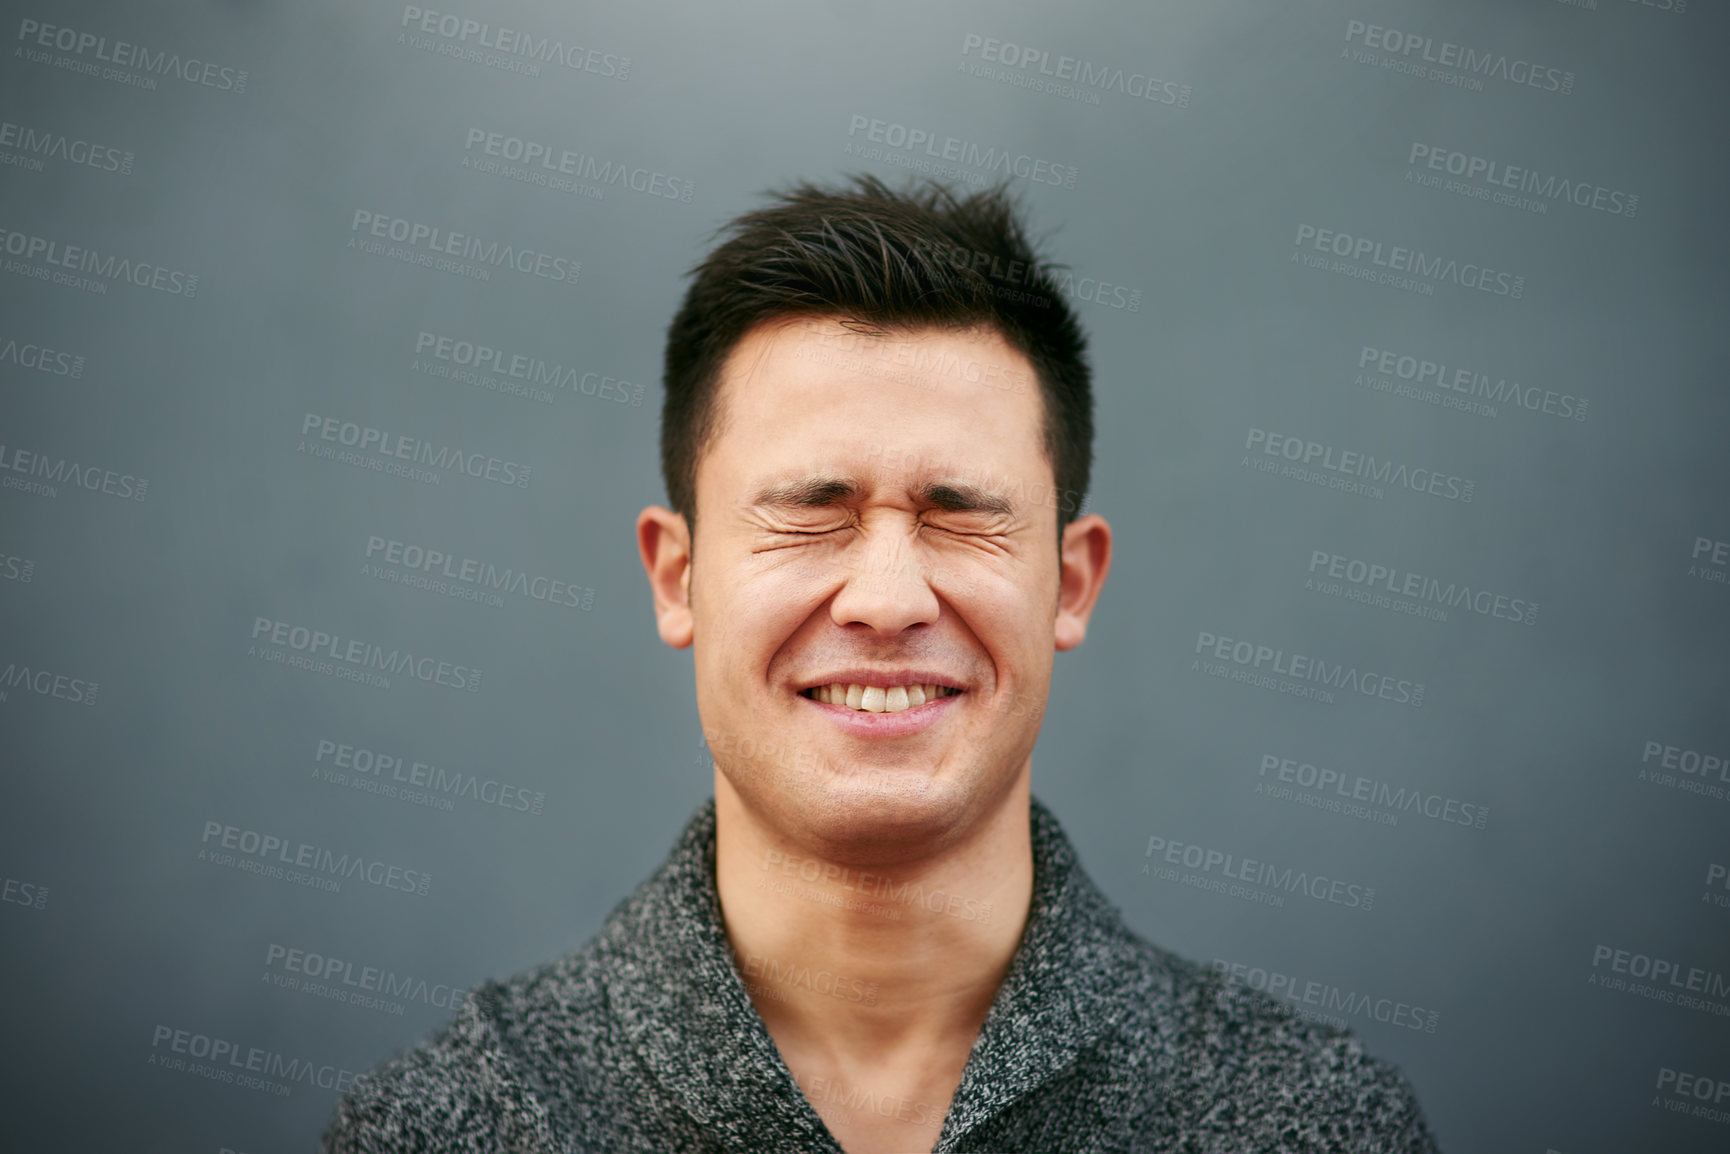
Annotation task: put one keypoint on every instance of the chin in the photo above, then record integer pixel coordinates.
(870, 811)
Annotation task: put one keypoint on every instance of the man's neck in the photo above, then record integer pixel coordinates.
(874, 970)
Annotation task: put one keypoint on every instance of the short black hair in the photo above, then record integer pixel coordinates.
(878, 260)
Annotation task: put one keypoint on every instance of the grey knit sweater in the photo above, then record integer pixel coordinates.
(645, 1040)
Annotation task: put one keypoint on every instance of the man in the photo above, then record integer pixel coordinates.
(876, 432)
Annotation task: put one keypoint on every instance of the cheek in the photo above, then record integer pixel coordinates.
(1026, 635)
(745, 627)
(776, 603)
(1010, 604)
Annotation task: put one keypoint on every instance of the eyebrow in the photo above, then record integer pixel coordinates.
(951, 496)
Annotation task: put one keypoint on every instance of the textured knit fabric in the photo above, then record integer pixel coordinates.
(645, 1041)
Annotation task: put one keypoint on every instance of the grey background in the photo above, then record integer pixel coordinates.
(1194, 207)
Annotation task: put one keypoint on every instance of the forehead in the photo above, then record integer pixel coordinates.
(811, 393)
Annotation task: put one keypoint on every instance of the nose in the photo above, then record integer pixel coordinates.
(884, 587)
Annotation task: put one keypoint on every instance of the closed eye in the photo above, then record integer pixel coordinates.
(783, 534)
(980, 530)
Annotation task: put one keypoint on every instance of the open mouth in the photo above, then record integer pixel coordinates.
(875, 698)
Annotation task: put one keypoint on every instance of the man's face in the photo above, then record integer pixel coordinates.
(875, 511)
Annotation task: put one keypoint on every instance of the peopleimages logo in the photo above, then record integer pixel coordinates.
(835, 1099)
(1351, 469)
(512, 49)
(15, 568)
(1272, 882)
(14, 891)
(394, 447)
(516, 372)
(1449, 386)
(1510, 184)
(1323, 1001)
(266, 854)
(1066, 76)
(40, 358)
(369, 987)
(1717, 878)
(88, 48)
(444, 572)
(223, 1060)
(1694, 1094)
(1660, 980)
(1447, 62)
(1398, 266)
(430, 245)
(1381, 802)
(48, 472)
(925, 144)
(549, 166)
(44, 258)
(1686, 770)
(416, 782)
(16, 678)
(798, 976)
(352, 659)
(36, 145)
(1716, 566)
(1390, 587)
(1302, 671)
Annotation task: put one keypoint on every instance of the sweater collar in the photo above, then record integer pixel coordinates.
(680, 999)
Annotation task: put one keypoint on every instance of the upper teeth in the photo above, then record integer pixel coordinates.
(876, 699)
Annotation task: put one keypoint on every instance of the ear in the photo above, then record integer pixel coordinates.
(1086, 557)
(664, 540)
